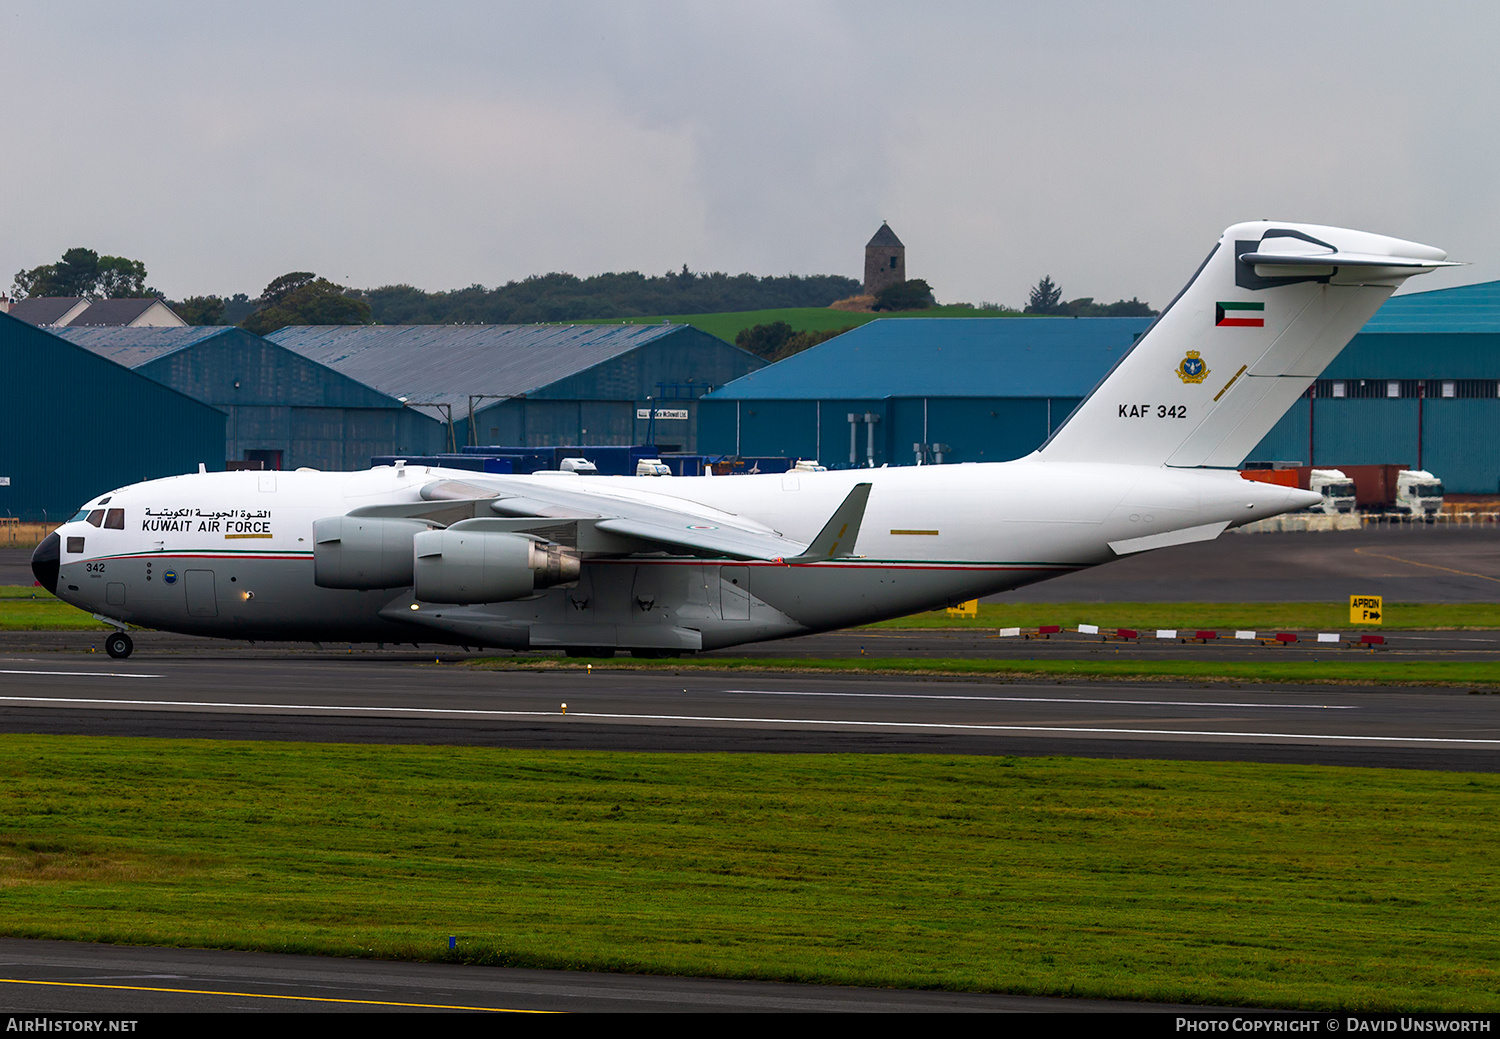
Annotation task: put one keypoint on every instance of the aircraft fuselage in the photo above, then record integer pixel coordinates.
(232, 554)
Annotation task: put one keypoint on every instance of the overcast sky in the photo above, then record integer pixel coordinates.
(443, 144)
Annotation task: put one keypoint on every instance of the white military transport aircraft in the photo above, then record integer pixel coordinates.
(408, 553)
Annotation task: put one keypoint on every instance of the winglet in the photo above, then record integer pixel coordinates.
(839, 534)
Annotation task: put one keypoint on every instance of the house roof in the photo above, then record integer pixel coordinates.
(949, 357)
(116, 311)
(445, 364)
(44, 310)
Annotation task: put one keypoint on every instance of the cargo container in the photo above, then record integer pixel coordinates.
(1333, 484)
(1375, 489)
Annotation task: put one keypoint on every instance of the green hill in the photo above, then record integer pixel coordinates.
(802, 319)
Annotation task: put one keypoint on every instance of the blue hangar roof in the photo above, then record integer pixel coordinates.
(1465, 308)
(949, 357)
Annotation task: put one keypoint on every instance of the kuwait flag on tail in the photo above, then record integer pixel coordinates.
(1239, 315)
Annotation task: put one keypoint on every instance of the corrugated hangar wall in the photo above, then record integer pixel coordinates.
(945, 389)
(533, 385)
(1457, 439)
(80, 425)
(278, 401)
(1420, 386)
(281, 407)
(601, 405)
(962, 429)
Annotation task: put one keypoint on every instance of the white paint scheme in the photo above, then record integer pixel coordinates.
(1335, 487)
(671, 565)
(1418, 492)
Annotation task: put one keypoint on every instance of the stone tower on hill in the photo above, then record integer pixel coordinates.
(885, 261)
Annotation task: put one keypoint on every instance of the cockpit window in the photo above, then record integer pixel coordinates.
(82, 514)
(96, 517)
(114, 519)
(75, 544)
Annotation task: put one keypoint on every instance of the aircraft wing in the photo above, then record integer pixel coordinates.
(647, 522)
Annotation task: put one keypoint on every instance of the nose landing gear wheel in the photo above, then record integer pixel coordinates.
(118, 645)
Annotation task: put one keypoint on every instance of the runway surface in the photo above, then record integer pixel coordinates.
(41, 977)
(370, 698)
(184, 686)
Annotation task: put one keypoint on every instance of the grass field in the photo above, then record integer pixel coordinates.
(1283, 616)
(1219, 883)
(802, 319)
(1337, 666)
(25, 608)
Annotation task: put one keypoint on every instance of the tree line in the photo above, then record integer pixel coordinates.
(304, 298)
(301, 297)
(1046, 298)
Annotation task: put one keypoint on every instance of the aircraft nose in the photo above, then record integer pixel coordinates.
(45, 562)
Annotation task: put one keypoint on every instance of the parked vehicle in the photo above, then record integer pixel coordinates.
(1334, 485)
(1374, 489)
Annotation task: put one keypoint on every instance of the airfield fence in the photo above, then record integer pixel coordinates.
(19, 533)
(1316, 522)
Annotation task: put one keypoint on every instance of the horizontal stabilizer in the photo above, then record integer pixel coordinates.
(1342, 259)
(1186, 536)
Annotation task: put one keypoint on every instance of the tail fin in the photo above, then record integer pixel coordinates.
(1272, 305)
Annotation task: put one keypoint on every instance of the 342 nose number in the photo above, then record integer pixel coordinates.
(1153, 411)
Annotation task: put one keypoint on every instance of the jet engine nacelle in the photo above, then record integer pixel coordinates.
(477, 566)
(364, 551)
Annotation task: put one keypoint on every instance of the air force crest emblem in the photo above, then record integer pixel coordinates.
(1192, 368)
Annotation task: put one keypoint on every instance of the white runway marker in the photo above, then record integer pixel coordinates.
(81, 674)
(848, 723)
(1052, 699)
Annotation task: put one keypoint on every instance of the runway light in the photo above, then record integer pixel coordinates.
(565, 708)
(415, 606)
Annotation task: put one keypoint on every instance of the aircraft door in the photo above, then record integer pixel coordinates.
(734, 591)
(201, 598)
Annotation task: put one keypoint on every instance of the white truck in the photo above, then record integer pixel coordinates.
(1418, 493)
(1335, 487)
(1364, 488)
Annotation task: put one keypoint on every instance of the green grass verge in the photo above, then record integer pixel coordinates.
(1219, 616)
(802, 319)
(1236, 884)
(1335, 667)
(24, 608)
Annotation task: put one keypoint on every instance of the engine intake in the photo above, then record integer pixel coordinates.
(364, 551)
